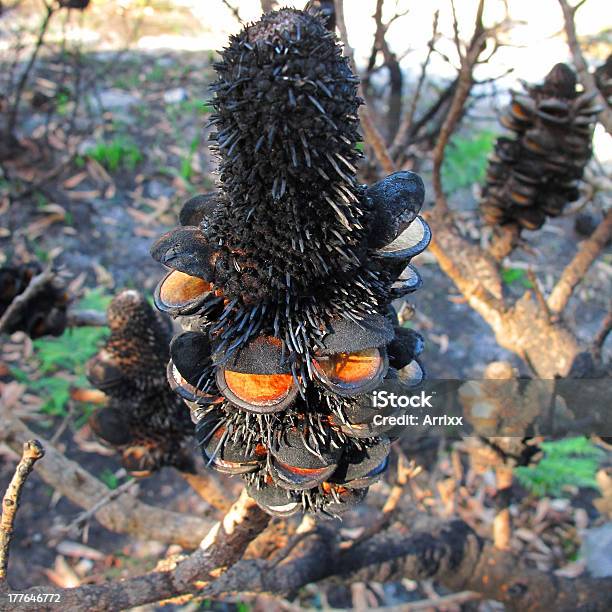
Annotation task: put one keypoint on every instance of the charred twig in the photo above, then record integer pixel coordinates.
(234, 11)
(586, 78)
(442, 602)
(14, 111)
(401, 140)
(395, 73)
(577, 268)
(32, 452)
(462, 562)
(122, 515)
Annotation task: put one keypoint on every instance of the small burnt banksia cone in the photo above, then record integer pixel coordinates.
(283, 280)
(42, 315)
(144, 420)
(533, 173)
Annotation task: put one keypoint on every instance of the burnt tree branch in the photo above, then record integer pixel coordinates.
(453, 555)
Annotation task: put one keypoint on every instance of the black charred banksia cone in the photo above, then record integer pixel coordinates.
(283, 280)
(534, 173)
(147, 423)
(44, 313)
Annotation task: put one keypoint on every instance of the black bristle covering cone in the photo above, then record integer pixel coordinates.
(533, 173)
(144, 420)
(299, 261)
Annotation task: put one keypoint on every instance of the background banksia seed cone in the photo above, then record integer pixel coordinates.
(45, 313)
(147, 423)
(534, 172)
(283, 279)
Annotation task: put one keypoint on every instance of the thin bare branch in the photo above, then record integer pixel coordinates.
(462, 92)
(42, 31)
(401, 137)
(577, 268)
(373, 137)
(234, 11)
(456, 30)
(32, 452)
(84, 517)
(586, 78)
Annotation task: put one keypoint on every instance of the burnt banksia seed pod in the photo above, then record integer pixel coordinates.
(533, 173)
(283, 279)
(144, 420)
(41, 315)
